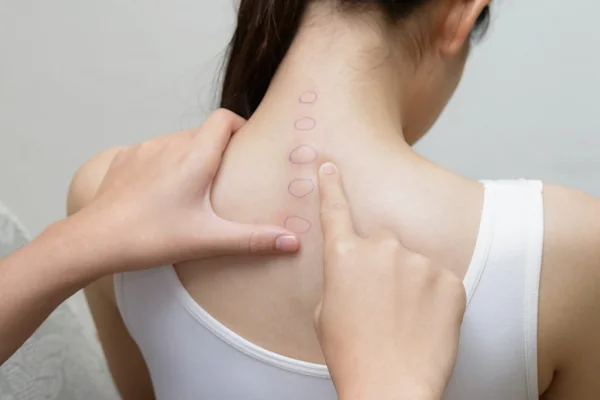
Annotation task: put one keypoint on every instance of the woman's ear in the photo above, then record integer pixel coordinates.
(461, 17)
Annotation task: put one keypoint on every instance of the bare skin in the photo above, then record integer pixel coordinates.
(366, 129)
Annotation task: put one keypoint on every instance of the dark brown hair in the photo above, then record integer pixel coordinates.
(265, 31)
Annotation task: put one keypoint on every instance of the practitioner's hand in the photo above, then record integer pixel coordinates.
(389, 321)
(154, 203)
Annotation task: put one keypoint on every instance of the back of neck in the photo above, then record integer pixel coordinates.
(337, 81)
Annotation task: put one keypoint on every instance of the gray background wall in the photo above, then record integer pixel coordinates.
(78, 76)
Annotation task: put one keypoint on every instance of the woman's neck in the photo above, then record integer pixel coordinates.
(352, 73)
(338, 97)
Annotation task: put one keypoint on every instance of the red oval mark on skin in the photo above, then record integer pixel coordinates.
(303, 155)
(300, 188)
(297, 224)
(305, 124)
(308, 97)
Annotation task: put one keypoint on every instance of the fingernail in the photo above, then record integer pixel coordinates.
(287, 244)
(329, 169)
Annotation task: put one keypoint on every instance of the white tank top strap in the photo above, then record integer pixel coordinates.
(503, 306)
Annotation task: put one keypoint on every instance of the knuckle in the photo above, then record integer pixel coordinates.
(341, 246)
(423, 271)
(148, 147)
(253, 243)
(420, 261)
(387, 241)
(188, 134)
(446, 277)
(173, 146)
(453, 291)
(339, 206)
(460, 294)
(452, 283)
(332, 210)
(331, 213)
(363, 235)
(446, 282)
(181, 137)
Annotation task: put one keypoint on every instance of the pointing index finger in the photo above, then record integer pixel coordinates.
(336, 220)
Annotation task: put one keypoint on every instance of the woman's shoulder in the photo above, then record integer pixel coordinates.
(83, 188)
(569, 303)
(87, 179)
(572, 224)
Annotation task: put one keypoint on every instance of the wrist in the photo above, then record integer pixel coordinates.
(52, 267)
(77, 248)
(391, 394)
(387, 390)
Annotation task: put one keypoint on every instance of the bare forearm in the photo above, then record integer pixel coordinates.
(397, 393)
(38, 278)
(385, 386)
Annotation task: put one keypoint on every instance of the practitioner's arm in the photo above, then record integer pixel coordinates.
(39, 277)
(152, 209)
(389, 321)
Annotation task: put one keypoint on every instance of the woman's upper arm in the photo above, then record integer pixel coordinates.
(87, 180)
(570, 299)
(124, 358)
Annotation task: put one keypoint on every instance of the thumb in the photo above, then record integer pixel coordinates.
(231, 238)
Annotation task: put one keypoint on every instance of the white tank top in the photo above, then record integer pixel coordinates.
(191, 355)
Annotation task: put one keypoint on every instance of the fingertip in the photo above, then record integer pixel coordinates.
(287, 244)
(328, 169)
(274, 239)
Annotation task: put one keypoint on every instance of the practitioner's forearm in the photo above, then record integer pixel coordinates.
(152, 208)
(391, 396)
(399, 395)
(38, 278)
(396, 395)
(389, 389)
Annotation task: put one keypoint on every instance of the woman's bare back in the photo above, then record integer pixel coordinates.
(269, 176)
(271, 301)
